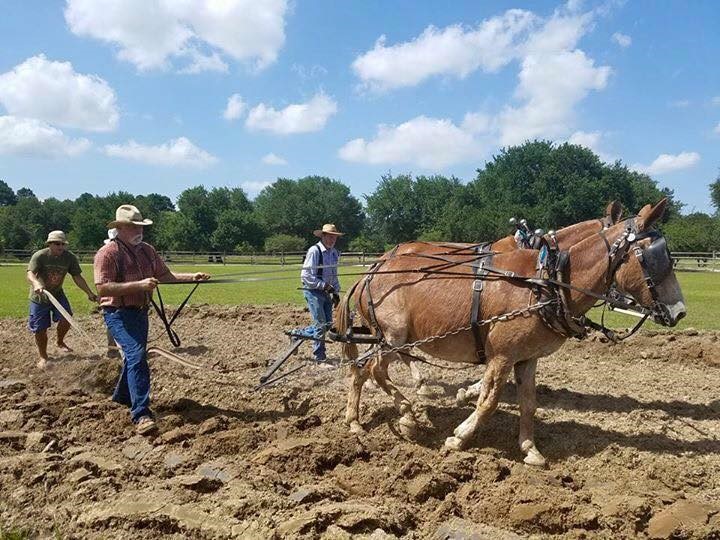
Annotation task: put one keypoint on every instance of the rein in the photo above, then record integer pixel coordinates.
(96, 349)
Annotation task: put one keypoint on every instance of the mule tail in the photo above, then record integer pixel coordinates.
(343, 323)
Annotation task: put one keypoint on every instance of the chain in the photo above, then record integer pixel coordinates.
(509, 316)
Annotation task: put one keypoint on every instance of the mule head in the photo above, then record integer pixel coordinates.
(646, 272)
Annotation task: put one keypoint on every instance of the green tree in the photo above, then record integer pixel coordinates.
(402, 208)
(25, 193)
(366, 243)
(234, 227)
(299, 207)
(176, 232)
(694, 232)
(7, 195)
(284, 243)
(715, 194)
(551, 186)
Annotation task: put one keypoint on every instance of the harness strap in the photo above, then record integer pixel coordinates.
(485, 254)
(319, 269)
(366, 287)
(159, 308)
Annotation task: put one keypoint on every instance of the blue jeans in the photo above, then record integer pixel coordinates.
(129, 327)
(320, 305)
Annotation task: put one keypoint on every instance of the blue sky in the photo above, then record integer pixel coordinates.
(159, 95)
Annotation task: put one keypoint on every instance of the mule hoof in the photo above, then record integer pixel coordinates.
(533, 457)
(454, 443)
(356, 427)
(461, 397)
(425, 391)
(408, 427)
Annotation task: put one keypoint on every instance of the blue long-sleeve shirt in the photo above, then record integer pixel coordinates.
(310, 272)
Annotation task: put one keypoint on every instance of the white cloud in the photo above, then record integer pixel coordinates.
(477, 123)
(32, 137)
(680, 103)
(561, 32)
(717, 129)
(587, 139)
(296, 118)
(204, 62)
(180, 151)
(272, 159)
(622, 39)
(716, 101)
(431, 143)
(253, 188)
(235, 107)
(554, 75)
(154, 34)
(453, 50)
(668, 163)
(551, 85)
(592, 141)
(53, 92)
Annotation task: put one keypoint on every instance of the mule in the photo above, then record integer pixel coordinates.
(563, 239)
(411, 306)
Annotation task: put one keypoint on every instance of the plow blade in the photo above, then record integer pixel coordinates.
(281, 360)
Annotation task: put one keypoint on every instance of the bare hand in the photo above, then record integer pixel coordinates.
(38, 289)
(148, 284)
(201, 276)
(93, 297)
(329, 288)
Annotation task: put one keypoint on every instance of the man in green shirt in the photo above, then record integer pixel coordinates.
(46, 272)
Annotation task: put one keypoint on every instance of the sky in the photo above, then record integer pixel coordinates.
(160, 95)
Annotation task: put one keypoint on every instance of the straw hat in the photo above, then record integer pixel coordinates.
(328, 228)
(127, 214)
(56, 236)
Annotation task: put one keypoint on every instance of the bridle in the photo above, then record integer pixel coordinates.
(655, 262)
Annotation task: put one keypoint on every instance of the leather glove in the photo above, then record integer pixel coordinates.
(329, 288)
(335, 299)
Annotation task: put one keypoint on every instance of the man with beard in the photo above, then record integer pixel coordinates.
(127, 271)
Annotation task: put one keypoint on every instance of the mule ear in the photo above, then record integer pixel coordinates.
(649, 215)
(614, 210)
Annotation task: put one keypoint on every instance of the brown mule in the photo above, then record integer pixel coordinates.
(412, 306)
(564, 238)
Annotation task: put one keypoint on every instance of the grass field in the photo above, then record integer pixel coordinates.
(701, 290)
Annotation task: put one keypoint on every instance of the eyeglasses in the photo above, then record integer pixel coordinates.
(57, 243)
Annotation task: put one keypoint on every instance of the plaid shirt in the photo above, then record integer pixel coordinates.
(115, 263)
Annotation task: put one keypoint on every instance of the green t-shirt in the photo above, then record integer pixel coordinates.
(51, 271)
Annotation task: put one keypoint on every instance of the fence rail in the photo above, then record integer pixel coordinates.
(684, 260)
(206, 257)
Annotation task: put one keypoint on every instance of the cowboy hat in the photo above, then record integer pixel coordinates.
(127, 214)
(56, 236)
(328, 228)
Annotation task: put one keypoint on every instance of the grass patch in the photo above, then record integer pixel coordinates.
(701, 290)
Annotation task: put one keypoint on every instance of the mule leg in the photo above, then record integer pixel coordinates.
(407, 423)
(466, 394)
(494, 380)
(355, 383)
(525, 381)
(421, 388)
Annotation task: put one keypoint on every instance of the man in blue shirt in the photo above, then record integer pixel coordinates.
(321, 286)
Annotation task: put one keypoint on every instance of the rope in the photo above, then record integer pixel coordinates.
(72, 322)
(97, 350)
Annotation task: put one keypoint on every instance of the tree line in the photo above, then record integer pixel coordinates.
(549, 185)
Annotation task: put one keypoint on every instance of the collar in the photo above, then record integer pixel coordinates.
(323, 247)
